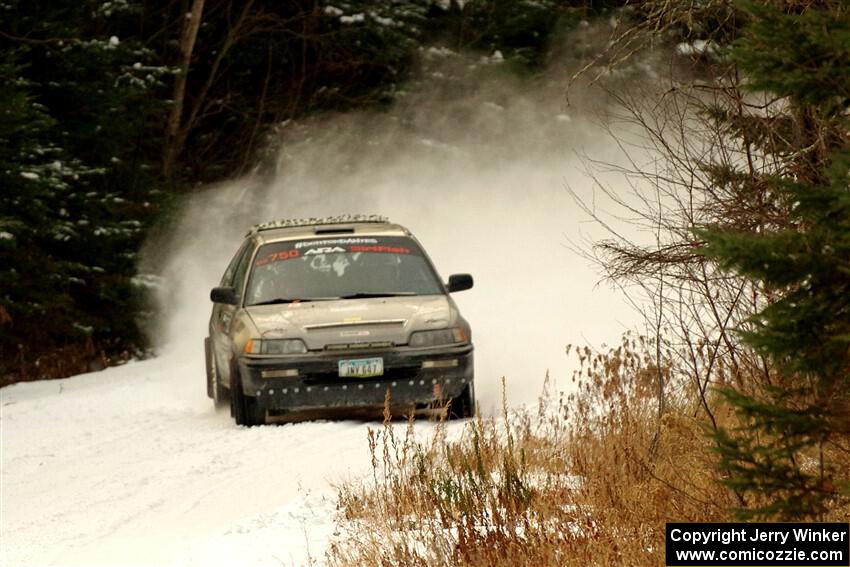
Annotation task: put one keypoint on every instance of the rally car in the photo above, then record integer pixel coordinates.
(340, 312)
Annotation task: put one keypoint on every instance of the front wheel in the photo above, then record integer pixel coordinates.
(244, 409)
(463, 406)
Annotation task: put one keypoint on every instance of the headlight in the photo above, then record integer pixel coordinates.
(435, 338)
(275, 346)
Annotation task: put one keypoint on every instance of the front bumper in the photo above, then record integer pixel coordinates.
(318, 385)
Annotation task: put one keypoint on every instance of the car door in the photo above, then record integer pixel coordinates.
(223, 315)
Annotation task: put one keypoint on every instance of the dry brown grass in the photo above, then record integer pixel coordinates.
(74, 358)
(587, 479)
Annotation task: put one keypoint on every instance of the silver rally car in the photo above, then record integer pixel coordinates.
(341, 312)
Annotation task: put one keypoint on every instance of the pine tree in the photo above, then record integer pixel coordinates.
(777, 456)
(75, 113)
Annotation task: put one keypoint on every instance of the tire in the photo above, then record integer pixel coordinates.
(209, 360)
(221, 395)
(215, 389)
(244, 409)
(463, 406)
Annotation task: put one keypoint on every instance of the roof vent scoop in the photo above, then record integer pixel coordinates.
(340, 230)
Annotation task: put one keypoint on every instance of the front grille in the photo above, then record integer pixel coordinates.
(357, 346)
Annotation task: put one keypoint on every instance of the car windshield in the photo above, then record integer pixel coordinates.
(339, 268)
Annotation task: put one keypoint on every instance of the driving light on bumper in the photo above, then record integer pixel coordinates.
(275, 346)
(435, 338)
(287, 373)
(450, 363)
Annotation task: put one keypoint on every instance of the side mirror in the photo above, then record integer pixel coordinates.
(459, 282)
(226, 295)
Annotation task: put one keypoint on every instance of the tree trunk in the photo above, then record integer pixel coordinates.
(174, 142)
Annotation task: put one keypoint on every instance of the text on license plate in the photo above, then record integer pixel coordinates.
(361, 368)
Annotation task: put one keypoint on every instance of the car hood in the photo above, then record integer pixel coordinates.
(354, 323)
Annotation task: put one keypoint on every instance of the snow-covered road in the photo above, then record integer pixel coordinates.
(131, 466)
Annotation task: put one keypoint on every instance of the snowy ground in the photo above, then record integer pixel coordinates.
(133, 466)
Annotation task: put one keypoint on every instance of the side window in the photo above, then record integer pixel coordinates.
(227, 278)
(242, 268)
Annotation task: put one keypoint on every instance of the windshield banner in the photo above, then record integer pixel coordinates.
(292, 249)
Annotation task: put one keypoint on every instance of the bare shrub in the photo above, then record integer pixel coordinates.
(691, 308)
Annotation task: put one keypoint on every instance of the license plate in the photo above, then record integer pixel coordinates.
(361, 368)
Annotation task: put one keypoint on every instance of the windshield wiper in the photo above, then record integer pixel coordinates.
(367, 294)
(281, 300)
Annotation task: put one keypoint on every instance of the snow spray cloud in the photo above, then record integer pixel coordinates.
(476, 164)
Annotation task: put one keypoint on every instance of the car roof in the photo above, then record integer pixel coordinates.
(293, 229)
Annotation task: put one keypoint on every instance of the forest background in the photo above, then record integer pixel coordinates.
(110, 111)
